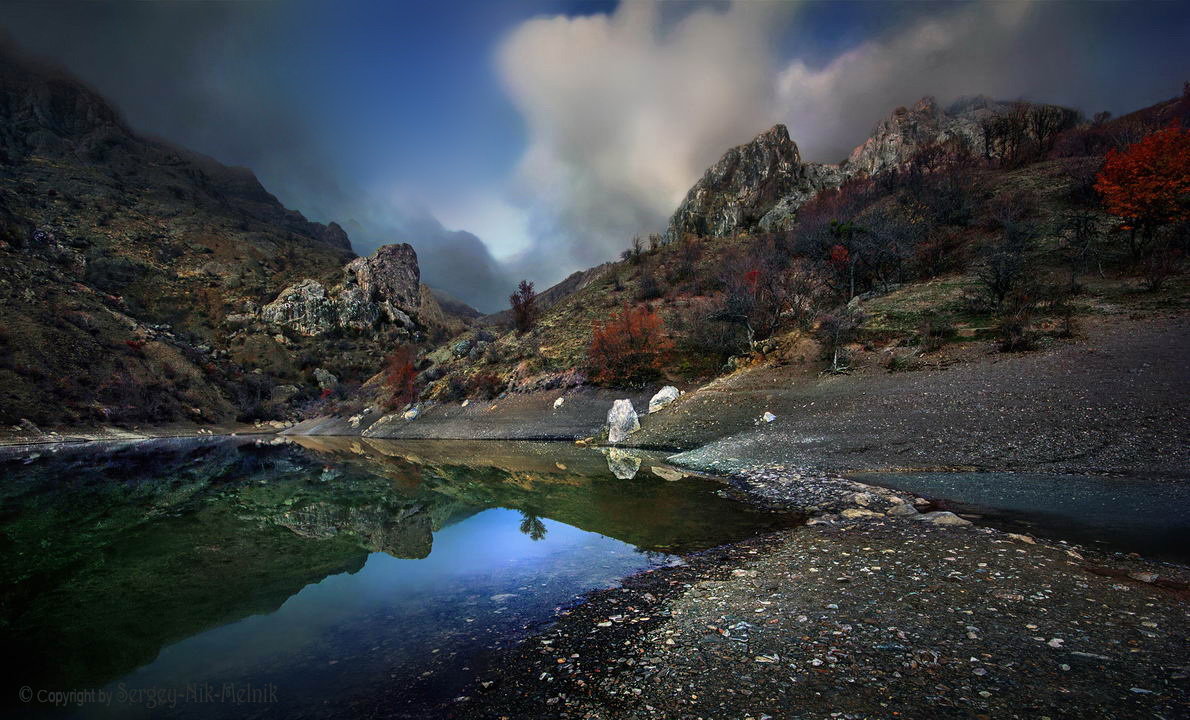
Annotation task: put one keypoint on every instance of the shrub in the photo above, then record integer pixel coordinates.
(524, 307)
(486, 386)
(400, 377)
(629, 348)
(1147, 186)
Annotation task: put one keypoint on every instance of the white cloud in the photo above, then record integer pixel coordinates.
(623, 111)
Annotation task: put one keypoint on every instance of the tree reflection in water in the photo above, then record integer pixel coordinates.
(532, 525)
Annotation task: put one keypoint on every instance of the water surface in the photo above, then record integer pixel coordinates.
(344, 578)
(1131, 514)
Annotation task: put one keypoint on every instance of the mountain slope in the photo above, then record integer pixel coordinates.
(136, 273)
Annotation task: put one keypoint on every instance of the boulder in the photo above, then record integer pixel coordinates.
(389, 276)
(901, 510)
(664, 396)
(768, 417)
(624, 465)
(943, 517)
(461, 348)
(668, 472)
(325, 379)
(283, 394)
(304, 307)
(622, 421)
(411, 413)
(558, 403)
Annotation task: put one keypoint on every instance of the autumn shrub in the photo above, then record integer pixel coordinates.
(630, 348)
(524, 307)
(703, 338)
(1147, 186)
(400, 378)
(486, 386)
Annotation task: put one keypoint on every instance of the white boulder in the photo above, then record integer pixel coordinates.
(621, 421)
(664, 396)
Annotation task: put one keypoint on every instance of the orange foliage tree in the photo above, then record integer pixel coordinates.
(1147, 185)
(629, 348)
(399, 378)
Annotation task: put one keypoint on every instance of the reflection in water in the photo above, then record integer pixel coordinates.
(532, 525)
(351, 574)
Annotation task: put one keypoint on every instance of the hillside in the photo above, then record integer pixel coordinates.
(137, 275)
(948, 234)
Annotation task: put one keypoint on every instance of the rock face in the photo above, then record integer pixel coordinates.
(383, 287)
(390, 278)
(664, 397)
(760, 186)
(622, 421)
(746, 184)
(907, 130)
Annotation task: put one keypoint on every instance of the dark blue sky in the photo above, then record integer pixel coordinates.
(552, 141)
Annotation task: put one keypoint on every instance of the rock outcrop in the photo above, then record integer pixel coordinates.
(747, 183)
(761, 185)
(383, 287)
(390, 278)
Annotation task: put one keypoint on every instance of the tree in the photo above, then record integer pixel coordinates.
(1147, 186)
(835, 331)
(524, 307)
(400, 376)
(629, 348)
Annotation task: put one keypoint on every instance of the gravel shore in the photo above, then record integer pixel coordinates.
(863, 617)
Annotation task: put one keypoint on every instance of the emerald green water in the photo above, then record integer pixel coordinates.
(224, 578)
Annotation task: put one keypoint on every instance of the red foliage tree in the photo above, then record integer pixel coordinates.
(524, 307)
(631, 347)
(399, 378)
(1147, 185)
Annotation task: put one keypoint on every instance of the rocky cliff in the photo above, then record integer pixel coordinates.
(746, 184)
(143, 282)
(759, 186)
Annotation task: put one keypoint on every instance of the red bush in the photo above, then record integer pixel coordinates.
(631, 347)
(399, 378)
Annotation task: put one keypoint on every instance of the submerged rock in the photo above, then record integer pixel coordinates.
(623, 464)
(622, 421)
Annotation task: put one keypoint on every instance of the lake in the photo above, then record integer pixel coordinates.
(331, 578)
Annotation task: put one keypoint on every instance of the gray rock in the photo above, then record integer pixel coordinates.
(390, 274)
(622, 421)
(943, 517)
(303, 307)
(664, 396)
(325, 378)
(461, 349)
(624, 465)
(283, 394)
(901, 510)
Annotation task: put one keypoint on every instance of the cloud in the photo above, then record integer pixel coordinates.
(624, 110)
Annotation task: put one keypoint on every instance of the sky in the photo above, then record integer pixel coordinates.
(530, 139)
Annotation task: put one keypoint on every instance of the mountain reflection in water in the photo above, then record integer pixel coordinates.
(349, 573)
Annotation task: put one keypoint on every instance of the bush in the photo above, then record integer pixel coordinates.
(524, 307)
(630, 348)
(400, 377)
(486, 386)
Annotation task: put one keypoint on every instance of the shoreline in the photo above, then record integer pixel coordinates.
(697, 639)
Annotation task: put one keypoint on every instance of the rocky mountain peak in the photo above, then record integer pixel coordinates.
(738, 190)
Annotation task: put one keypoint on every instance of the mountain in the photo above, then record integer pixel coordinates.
(759, 186)
(144, 282)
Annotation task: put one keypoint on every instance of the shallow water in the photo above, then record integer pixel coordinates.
(345, 578)
(1129, 514)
